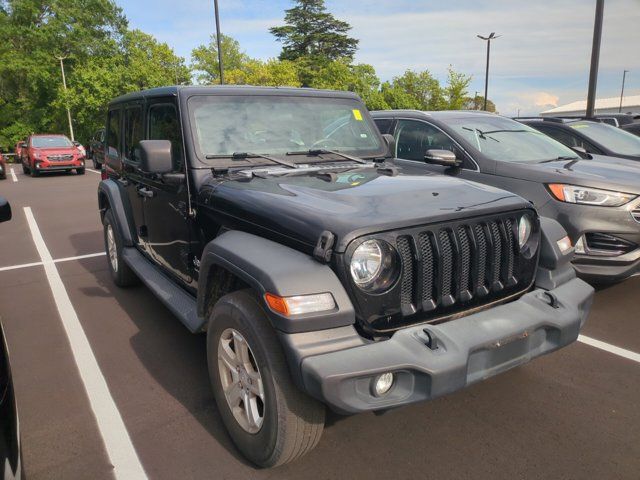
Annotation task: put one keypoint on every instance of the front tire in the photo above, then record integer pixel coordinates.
(250, 379)
(121, 273)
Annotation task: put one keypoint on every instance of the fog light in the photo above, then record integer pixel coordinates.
(580, 246)
(382, 384)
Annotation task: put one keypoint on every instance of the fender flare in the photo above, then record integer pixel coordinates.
(267, 266)
(109, 193)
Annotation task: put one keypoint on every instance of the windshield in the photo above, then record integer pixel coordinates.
(613, 138)
(275, 125)
(506, 140)
(51, 142)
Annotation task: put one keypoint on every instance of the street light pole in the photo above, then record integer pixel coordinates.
(624, 77)
(488, 39)
(595, 59)
(64, 84)
(218, 40)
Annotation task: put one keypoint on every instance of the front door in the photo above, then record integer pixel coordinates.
(166, 208)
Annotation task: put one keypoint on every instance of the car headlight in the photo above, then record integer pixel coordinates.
(524, 230)
(374, 266)
(589, 196)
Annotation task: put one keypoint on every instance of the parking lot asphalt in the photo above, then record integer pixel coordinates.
(572, 414)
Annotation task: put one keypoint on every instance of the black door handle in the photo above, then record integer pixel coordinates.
(144, 192)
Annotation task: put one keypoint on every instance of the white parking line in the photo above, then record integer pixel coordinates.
(607, 347)
(117, 442)
(94, 171)
(67, 259)
(13, 175)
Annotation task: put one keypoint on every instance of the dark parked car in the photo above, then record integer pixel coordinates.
(10, 455)
(632, 128)
(594, 137)
(3, 167)
(96, 149)
(595, 200)
(51, 153)
(268, 218)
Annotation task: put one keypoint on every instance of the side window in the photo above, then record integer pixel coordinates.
(414, 138)
(164, 125)
(383, 124)
(113, 133)
(132, 133)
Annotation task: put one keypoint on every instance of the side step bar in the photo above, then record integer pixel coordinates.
(181, 304)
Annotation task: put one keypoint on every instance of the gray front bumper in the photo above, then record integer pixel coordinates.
(470, 349)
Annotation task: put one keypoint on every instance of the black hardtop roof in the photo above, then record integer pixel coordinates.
(229, 90)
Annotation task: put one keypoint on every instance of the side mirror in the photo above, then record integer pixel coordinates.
(155, 156)
(5, 210)
(446, 158)
(391, 145)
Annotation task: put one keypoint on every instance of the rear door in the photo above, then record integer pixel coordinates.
(166, 204)
(133, 121)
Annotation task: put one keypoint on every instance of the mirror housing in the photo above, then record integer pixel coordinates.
(390, 140)
(155, 156)
(5, 210)
(446, 158)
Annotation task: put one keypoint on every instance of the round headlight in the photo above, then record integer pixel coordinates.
(374, 266)
(524, 230)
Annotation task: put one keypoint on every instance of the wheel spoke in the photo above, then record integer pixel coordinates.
(255, 385)
(234, 394)
(228, 358)
(253, 417)
(241, 349)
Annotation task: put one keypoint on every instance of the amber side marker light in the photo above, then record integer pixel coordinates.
(557, 190)
(300, 304)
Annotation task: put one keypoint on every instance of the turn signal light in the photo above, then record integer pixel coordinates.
(300, 304)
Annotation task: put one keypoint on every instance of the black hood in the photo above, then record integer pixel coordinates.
(608, 173)
(349, 204)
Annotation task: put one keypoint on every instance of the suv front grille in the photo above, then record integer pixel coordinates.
(450, 268)
(60, 158)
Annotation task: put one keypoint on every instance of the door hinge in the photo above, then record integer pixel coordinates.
(324, 247)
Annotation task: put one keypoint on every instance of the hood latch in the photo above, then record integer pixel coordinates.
(324, 247)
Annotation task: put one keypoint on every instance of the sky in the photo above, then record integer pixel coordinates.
(540, 61)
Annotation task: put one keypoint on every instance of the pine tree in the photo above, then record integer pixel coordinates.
(310, 31)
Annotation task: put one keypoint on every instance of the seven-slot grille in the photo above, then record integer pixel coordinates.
(60, 158)
(451, 266)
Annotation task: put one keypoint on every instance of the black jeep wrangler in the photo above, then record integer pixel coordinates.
(268, 218)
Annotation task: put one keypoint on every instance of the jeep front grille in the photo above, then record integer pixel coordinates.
(450, 268)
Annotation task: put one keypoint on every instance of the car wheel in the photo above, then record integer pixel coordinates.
(121, 273)
(25, 170)
(34, 172)
(80, 171)
(269, 419)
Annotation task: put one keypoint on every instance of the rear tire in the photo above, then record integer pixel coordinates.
(121, 273)
(292, 422)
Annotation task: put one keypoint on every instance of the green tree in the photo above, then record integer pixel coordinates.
(204, 58)
(310, 31)
(424, 91)
(272, 73)
(477, 103)
(456, 90)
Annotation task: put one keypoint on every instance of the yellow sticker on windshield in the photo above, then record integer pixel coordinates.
(357, 114)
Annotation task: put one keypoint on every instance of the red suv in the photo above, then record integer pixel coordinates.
(51, 153)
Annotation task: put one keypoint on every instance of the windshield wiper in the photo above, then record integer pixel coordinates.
(559, 159)
(245, 155)
(323, 151)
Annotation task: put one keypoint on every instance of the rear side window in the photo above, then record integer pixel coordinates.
(132, 133)
(113, 133)
(164, 125)
(383, 124)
